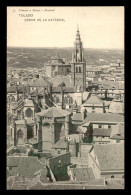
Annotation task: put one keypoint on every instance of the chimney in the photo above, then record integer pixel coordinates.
(75, 109)
(62, 95)
(83, 113)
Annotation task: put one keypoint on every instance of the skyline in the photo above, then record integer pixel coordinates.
(108, 22)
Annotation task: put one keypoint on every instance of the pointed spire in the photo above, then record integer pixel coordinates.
(77, 27)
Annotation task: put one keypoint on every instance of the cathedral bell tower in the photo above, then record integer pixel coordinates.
(78, 65)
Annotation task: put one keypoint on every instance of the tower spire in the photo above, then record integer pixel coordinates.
(77, 27)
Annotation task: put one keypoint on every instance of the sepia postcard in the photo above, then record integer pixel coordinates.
(65, 98)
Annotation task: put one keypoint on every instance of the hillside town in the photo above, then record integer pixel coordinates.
(65, 124)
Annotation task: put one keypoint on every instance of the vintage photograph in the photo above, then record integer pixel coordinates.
(65, 98)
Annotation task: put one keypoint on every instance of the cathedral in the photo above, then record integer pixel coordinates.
(76, 68)
(78, 64)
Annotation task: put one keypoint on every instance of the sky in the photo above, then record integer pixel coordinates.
(100, 27)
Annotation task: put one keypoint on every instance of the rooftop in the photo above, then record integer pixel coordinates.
(11, 89)
(41, 82)
(83, 174)
(93, 100)
(117, 131)
(110, 157)
(25, 166)
(116, 107)
(66, 89)
(60, 79)
(103, 117)
(101, 132)
(54, 112)
(28, 102)
(62, 143)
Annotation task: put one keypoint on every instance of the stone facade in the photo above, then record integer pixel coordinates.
(78, 65)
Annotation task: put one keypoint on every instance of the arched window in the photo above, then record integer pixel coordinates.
(70, 100)
(66, 100)
(57, 100)
(76, 69)
(20, 135)
(28, 112)
(13, 99)
(46, 125)
(79, 69)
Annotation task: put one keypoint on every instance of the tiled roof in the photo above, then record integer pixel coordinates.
(66, 89)
(110, 156)
(103, 117)
(116, 107)
(58, 80)
(93, 100)
(92, 69)
(77, 116)
(117, 131)
(92, 76)
(117, 137)
(25, 166)
(62, 143)
(33, 141)
(54, 112)
(37, 186)
(105, 75)
(18, 185)
(40, 83)
(101, 132)
(83, 174)
(11, 89)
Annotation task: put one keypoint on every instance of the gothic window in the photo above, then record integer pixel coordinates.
(59, 152)
(66, 100)
(93, 109)
(70, 100)
(29, 112)
(57, 99)
(20, 136)
(13, 99)
(79, 69)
